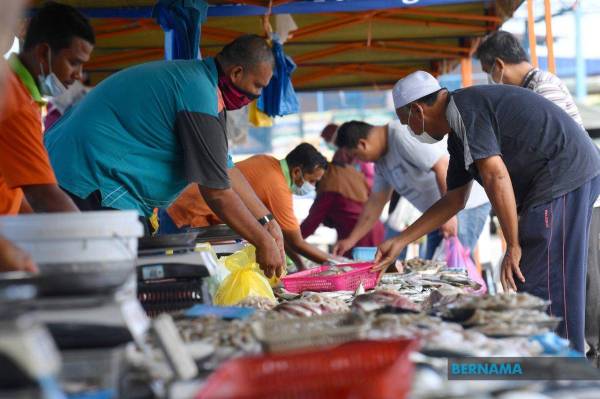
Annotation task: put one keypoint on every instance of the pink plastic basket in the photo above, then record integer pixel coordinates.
(308, 281)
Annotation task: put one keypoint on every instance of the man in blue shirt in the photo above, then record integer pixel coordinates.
(540, 171)
(143, 134)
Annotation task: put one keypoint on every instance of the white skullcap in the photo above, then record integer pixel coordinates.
(412, 87)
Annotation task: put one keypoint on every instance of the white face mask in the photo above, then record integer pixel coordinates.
(491, 76)
(50, 85)
(70, 97)
(424, 137)
(305, 189)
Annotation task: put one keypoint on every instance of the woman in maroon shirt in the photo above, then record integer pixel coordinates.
(341, 195)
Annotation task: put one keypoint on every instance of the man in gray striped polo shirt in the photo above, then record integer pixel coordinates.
(506, 62)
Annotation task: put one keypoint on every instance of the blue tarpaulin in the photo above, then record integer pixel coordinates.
(279, 97)
(295, 7)
(181, 20)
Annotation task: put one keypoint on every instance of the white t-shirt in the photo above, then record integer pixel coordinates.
(406, 168)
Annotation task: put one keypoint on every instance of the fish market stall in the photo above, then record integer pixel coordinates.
(412, 321)
(194, 317)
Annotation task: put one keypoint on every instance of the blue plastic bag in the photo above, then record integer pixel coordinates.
(555, 346)
(181, 20)
(279, 97)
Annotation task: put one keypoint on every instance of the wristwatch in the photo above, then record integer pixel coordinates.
(265, 219)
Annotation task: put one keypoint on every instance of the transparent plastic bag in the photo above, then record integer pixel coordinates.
(456, 256)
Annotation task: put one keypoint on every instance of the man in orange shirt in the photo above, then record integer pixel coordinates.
(59, 40)
(11, 257)
(274, 181)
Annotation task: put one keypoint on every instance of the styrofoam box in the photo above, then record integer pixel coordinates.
(104, 236)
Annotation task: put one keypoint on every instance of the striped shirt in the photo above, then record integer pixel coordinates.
(552, 88)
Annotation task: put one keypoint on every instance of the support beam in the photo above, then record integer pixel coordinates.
(383, 16)
(580, 68)
(126, 27)
(125, 57)
(392, 46)
(376, 46)
(318, 74)
(321, 27)
(427, 46)
(325, 72)
(549, 37)
(448, 15)
(220, 33)
(315, 55)
(432, 24)
(531, 31)
(466, 69)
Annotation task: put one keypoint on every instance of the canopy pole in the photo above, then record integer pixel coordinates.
(580, 70)
(531, 31)
(466, 68)
(549, 37)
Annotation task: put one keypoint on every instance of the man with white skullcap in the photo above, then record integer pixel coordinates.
(417, 172)
(540, 170)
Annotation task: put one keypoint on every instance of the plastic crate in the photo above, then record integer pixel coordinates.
(364, 253)
(308, 281)
(364, 369)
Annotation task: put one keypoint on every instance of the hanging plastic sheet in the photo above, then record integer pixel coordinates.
(258, 118)
(238, 126)
(279, 97)
(181, 20)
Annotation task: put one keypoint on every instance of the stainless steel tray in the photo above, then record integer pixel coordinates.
(73, 279)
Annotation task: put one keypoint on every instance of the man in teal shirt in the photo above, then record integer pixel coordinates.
(143, 134)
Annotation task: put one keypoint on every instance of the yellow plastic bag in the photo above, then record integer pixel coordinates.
(246, 279)
(257, 118)
(244, 257)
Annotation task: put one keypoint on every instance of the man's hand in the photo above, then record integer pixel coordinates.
(48, 198)
(450, 228)
(510, 268)
(343, 246)
(269, 258)
(275, 230)
(13, 258)
(387, 253)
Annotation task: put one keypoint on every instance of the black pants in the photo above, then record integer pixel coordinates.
(94, 203)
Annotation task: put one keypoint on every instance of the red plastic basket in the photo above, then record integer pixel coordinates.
(363, 369)
(308, 281)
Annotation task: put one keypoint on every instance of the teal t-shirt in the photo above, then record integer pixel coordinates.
(142, 135)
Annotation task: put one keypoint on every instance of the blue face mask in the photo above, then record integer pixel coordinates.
(305, 189)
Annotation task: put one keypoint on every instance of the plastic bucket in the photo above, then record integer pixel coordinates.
(364, 253)
(72, 238)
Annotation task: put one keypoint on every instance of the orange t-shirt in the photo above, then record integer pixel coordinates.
(265, 176)
(23, 157)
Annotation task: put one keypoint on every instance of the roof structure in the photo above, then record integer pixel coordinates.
(338, 44)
